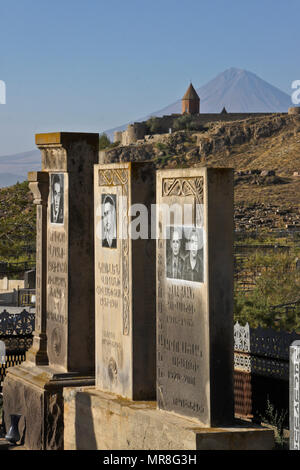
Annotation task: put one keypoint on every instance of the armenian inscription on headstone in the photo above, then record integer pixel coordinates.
(124, 281)
(194, 293)
(57, 268)
(295, 396)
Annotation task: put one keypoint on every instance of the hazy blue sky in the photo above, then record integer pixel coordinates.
(93, 65)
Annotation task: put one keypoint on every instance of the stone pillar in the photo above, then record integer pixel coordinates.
(195, 294)
(295, 396)
(39, 185)
(63, 352)
(68, 158)
(124, 280)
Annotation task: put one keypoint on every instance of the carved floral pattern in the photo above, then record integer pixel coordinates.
(184, 187)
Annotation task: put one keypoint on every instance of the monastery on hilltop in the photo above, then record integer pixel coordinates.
(139, 132)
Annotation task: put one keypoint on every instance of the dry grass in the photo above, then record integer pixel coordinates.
(283, 195)
(280, 152)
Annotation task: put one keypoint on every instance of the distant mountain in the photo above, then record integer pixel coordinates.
(14, 168)
(238, 90)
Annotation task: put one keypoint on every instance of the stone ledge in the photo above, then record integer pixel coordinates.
(98, 420)
(64, 138)
(37, 394)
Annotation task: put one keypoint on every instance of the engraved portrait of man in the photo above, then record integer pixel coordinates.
(175, 259)
(57, 198)
(109, 221)
(193, 264)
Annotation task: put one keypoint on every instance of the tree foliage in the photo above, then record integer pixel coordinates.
(104, 141)
(154, 125)
(186, 122)
(17, 223)
(277, 283)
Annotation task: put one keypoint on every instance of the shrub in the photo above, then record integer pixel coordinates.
(104, 141)
(277, 282)
(154, 125)
(186, 122)
(276, 420)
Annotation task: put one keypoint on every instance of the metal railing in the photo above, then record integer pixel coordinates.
(261, 367)
(16, 332)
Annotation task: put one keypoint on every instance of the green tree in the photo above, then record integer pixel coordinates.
(186, 122)
(154, 125)
(104, 141)
(17, 223)
(277, 282)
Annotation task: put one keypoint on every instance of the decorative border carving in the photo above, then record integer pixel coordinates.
(184, 187)
(119, 177)
(113, 177)
(54, 158)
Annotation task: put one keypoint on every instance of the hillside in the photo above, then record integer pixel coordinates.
(17, 223)
(238, 90)
(264, 151)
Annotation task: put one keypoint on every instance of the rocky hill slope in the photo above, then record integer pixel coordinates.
(264, 151)
(240, 91)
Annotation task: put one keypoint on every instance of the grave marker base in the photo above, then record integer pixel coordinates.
(98, 420)
(37, 394)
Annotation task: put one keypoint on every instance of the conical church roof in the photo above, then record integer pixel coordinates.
(191, 94)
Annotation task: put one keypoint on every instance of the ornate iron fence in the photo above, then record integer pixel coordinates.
(261, 366)
(16, 331)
